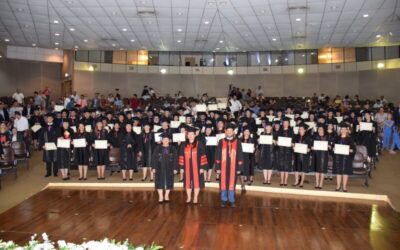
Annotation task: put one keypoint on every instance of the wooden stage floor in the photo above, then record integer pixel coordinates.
(260, 221)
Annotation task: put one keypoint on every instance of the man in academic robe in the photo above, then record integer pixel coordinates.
(49, 135)
(228, 161)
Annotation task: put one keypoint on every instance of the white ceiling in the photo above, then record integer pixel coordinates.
(181, 24)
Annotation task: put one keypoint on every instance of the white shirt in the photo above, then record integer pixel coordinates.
(235, 105)
(19, 97)
(259, 92)
(21, 124)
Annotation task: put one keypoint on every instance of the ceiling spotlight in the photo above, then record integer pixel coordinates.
(221, 41)
(124, 29)
(56, 48)
(85, 40)
(206, 22)
(179, 13)
(163, 71)
(113, 44)
(57, 34)
(132, 40)
(34, 44)
(378, 36)
(179, 30)
(55, 21)
(91, 68)
(298, 19)
(69, 2)
(76, 47)
(66, 74)
(216, 48)
(300, 70)
(179, 41)
(6, 40)
(20, 9)
(214, 51)
(365, 15)
(56, 43)
(380, 65)
(230, 72)
(71, 29)
(274, 39)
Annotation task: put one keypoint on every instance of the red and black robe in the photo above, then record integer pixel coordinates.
(192, 158)
(229, 159)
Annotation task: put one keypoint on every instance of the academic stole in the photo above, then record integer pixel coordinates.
(232, 165)
(191, 154)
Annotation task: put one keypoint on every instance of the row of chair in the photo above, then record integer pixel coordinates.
(14, 153)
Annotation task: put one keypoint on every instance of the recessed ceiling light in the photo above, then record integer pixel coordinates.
(33, 44)
(230, 72)
(214, 51)
(6, 40)
(69, 2)
(57, 34)
(20, 9)
(85, 40)
(163, 71)
(216, 48)
(378, 36)
(132, 40)
(298, 19)
(206, 22)
(179, 13)
(274, 39)
(56, 48)
(262, 11)
(365, 15)
(55, 21)
(71, 29)
(113, 44)
(124, 29)
(76, 47)
(179, 30)
(56, 43)
(221, 41)
(179, 41)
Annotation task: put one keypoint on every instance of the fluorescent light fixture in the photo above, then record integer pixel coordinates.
(179, 30)
(56, 43)
(221, 41)
(163, 71)
(179, 41)
(113, 44)
(71, 29)
(365, 15)
(33, 44)
(55, 21)
(132, 40)
(6, 40)
(85, 40)
(274, 39)
(124, 29)
(57, 34)
(206, 22)
(298, 19)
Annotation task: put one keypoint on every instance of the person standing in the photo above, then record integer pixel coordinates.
(100, 155)
(46, 93)
(49, 135)
(81, 154)
(229, 162)
(64, 154)
(19, 97)
(128, 148)
(147, 148)
(285, 153)
(267, 154)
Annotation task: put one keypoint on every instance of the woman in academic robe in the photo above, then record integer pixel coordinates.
(320, 157)
(164, 164)
(114, 137)
(64, 154)
(100, 155)
(369, 138)
(301, 160)
(248, 158)
(343, 164)
(267, 154)
(49, 135)
(129, 151)
(285, 153)
(210, 153)
(82, 154)
(147, 148)
(192, 159)
(36, 119)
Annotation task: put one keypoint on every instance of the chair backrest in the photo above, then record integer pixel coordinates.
(358, 161)
(363, 150)
(19, 148)
(8, 156)
(114, 155)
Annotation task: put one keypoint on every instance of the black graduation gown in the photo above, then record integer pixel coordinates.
(164, 160)
(249, 159)
(191, 176)
(285, 154)
(129, 155)
(320, 158)
(343, 164)
(48, 134)
(210, 153)
(36, 119)
(64, 154)
(369, 140)
(100, 156)
(115, 138)
(267, 156)
(230, 166)
(302, 161)
(81, 155)
(147, 147)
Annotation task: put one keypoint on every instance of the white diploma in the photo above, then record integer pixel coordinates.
(211, 141)
(50, 146)
(175, 124)
(156, 128)
(342, 149)
(284, 141)
(80, 143)
(212, 107)
(270, 118)
(365, 126)
(320, 145)
(311, 125)
(36, 128)
(266, 139)
(277, 119)
(58, 108)
(300, 148)
(201, 108)
(110, 125)
(88, 128)
(100, 144)
(292, 123)
(73, 128)
(339, 119)
(182, 119)
(221, 105)
(258, 120)
(259, 131)
(295, 130)
(63, 143)
(178, 137)
(304, 115)
(157, 137)
(290, 116)
(220, 136)
(248, 147)
(137, 129)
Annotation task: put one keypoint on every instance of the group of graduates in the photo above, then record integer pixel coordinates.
(145, 139)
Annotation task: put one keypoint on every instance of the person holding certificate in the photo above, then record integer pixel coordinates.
(285, 151)
(81, 152)
(192, 159)
(248, 157)
(343, 160)
(47, 142)
(302, 146)
(367, 137)
(164, 165)
(100, 149)
(147, 148)
(320, 155)
(267, 153)
(228, 163)
(129, 152)
(36, 122)
(64, 151)
(210, 153)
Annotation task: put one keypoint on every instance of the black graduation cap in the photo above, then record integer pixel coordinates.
(164, 120)
(303, 125)
(209, 126)
(146, 123)
(167, 109)
(86, 111)
(109, 113)
(249, 110)
(230, 126)
(246, 128)
(286, 119)
(344, 124)
(135, 119)
(201, 113)
(320, 125)
(138, 111)
(50, 115)
(128, 113)
(165, 135)
(262, 110)
(297, 112)
(188, 115)
(330, 110)
(191, 129)
(268, 123)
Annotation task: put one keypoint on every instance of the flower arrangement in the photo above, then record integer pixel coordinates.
(47, 244)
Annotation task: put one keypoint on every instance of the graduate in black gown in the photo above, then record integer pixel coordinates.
(320, 157)
(164, 164)
(210, 153)
(343, 164)
(147, 148)
(114, 137)
(82, 154)
(285, 153)
(36, 119)
(267, 154)
(100, 156)
(248, 158)
(302, 160)
(64, 154)
(129, 151)
(49, 135)
(369, 138)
